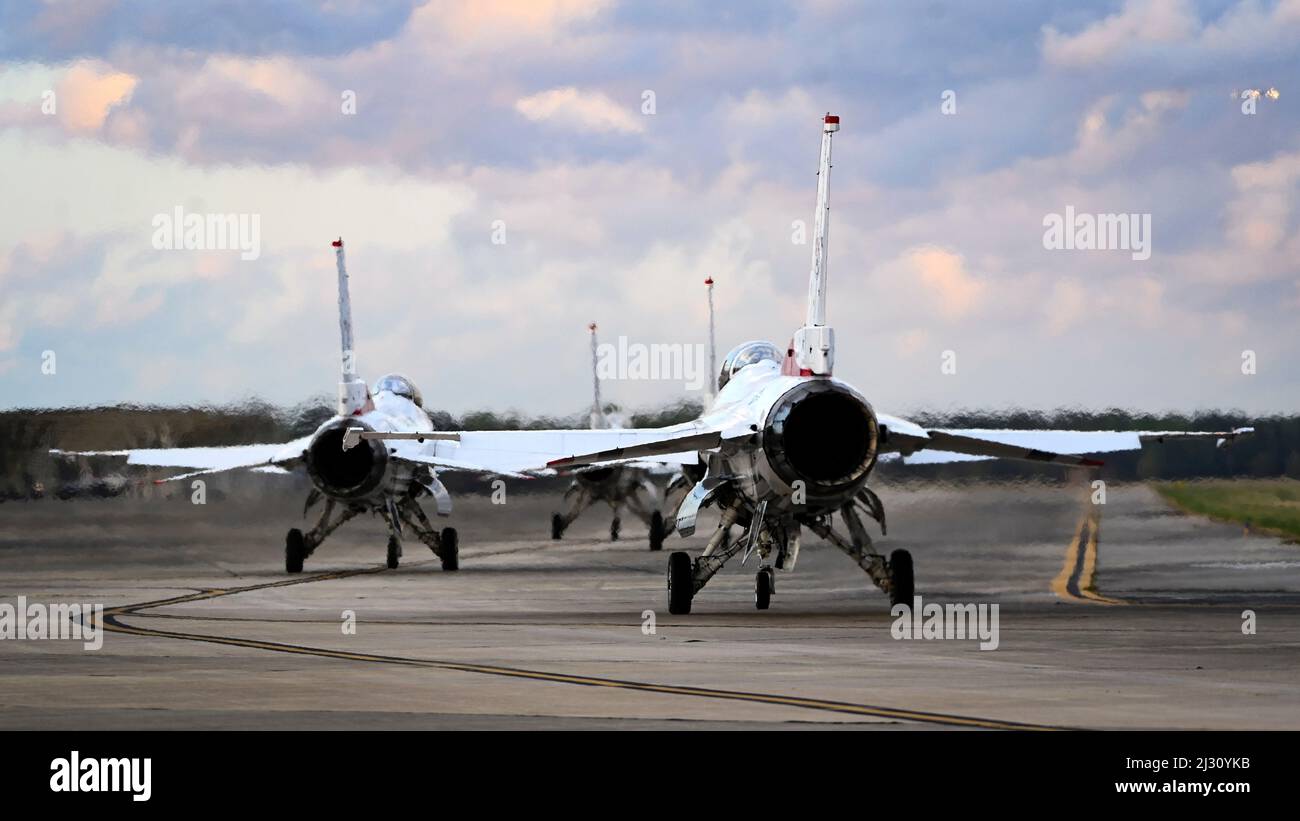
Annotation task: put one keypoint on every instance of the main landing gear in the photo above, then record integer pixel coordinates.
(398, 515)
(779, 540)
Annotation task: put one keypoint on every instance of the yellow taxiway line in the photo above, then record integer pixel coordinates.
(1077, 581)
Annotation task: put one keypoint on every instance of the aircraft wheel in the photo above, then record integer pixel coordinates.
(681, 583)
(450, 549)
(900, 572)
(614, 527)
(657, 531)
(557, 526)
(394, 552)
(764, 585)
(295, 550)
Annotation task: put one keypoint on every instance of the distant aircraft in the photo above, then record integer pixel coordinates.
(787, 446)
(625, 485)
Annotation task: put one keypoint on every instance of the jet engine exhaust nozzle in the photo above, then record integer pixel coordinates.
(346, 474)
(824, 434)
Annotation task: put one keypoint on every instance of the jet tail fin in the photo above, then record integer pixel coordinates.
(815, 341)
(354, 396)
(713, 351)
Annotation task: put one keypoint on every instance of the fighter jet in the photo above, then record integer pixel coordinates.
(787, 446)
(389, 480)
(629, 485)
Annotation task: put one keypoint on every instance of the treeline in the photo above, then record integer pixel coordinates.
(26, 437)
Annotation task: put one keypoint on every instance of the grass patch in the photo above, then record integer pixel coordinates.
(1261, 504)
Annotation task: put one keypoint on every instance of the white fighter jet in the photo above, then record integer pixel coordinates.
(389, 480)
(787, 446)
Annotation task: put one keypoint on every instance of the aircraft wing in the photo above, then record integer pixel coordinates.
(204, 460)
(536, 452)
(667, 447)
(412, 451)
(541, 452)
(917, 446)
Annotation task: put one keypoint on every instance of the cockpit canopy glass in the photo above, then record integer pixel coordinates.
(397, 384)
(744, 354)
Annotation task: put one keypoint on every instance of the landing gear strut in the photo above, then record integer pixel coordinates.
(445, 545)
(893, 576)
(403, 511)
(686, 577)
(298, 545)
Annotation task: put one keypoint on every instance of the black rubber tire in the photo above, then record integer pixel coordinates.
(557, 526)
(763, 585)
(450, 555)
(900, 569)
(295, 550)
(656, 531)
(614, 527)
(393, 552)
(681, 583)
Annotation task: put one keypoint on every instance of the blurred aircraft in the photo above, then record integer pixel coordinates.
(629, 485)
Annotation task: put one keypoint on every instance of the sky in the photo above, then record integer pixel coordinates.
(505, 173)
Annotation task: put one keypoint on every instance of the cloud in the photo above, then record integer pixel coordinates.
(1160, 30)
(1261, 215)
(1139, 22)
(1099, 141)
(55, 31)
(944, 275)
(490, 18)
(576, 109)
(469, 112)
(88, 91)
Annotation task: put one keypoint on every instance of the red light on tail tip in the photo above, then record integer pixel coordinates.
(338, 243)
(708, 281)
